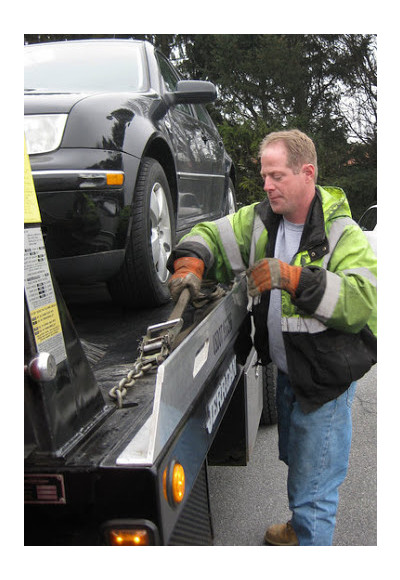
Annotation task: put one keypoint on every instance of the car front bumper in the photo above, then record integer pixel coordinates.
(85, 211)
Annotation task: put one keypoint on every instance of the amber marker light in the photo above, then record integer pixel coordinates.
(115, 178)
(178, 483)
(129, 537)
(174, 483)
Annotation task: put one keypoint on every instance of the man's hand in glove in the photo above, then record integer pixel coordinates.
(272, 273)
(188, 273)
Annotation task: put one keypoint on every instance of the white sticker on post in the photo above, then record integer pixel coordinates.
(40, 296)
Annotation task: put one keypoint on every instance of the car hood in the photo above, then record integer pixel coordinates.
(39, 101)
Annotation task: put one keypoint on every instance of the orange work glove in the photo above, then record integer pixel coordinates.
(272, 273)
(188, 273)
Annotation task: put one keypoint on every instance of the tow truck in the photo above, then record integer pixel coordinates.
(117, 444)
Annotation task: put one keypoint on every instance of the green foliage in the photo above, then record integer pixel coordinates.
(243, 142)
(357, 176)
(268, 82)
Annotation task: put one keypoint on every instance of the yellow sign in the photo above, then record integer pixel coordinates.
(45, 322)
(31, 207)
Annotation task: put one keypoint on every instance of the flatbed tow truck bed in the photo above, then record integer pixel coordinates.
(112, 349)
(116, 471)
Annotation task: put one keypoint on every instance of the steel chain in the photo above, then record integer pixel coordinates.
(140, 367)
(147, 362)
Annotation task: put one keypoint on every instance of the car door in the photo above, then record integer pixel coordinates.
(216, 151)
(194, 156)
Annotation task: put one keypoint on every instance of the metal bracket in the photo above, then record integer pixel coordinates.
(159, 335)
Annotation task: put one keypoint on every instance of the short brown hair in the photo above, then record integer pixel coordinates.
(300, 148)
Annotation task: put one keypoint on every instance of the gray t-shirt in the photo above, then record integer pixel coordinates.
(287, 245)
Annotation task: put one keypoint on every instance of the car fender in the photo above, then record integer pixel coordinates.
(122, 122)
(110, 121)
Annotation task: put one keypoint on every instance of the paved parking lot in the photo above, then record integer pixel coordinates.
(246, 500)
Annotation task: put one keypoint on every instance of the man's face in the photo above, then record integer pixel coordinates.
(289, 193)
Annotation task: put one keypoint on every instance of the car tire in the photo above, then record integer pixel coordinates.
(269, 415)
(142, 280)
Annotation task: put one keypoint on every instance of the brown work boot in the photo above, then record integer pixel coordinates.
(281, 535)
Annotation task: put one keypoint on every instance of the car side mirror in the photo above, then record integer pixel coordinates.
(187, 92)
(194, 92)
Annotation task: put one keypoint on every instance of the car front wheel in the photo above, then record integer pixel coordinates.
(142, 280)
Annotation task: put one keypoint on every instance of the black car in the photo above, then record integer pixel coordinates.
(125, 160)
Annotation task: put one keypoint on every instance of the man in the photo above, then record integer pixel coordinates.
(312, 277)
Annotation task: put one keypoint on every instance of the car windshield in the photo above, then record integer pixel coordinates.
(85, 67)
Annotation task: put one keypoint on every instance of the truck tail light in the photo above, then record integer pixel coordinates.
(130, 533)
(129, 537)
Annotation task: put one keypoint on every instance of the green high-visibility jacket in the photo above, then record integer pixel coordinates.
(330, 327)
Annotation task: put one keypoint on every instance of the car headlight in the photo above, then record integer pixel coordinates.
(43, 133)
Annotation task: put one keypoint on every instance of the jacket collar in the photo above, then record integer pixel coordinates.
(313, 240)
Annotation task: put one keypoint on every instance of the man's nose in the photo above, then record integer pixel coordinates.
(268, 184)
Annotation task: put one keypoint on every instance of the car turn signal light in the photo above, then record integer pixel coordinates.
(115, 178)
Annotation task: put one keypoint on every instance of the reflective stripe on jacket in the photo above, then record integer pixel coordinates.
(330, 327)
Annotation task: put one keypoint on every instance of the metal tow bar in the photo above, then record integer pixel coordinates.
(155, 347)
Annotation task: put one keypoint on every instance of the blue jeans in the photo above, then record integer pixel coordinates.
(316, 448)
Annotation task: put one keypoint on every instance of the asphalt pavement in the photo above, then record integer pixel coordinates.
(246, 500)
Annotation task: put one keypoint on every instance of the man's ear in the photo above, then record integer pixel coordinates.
(309, 171)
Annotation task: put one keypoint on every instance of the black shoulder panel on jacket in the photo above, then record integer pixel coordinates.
(314, 239)
(271, 222)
